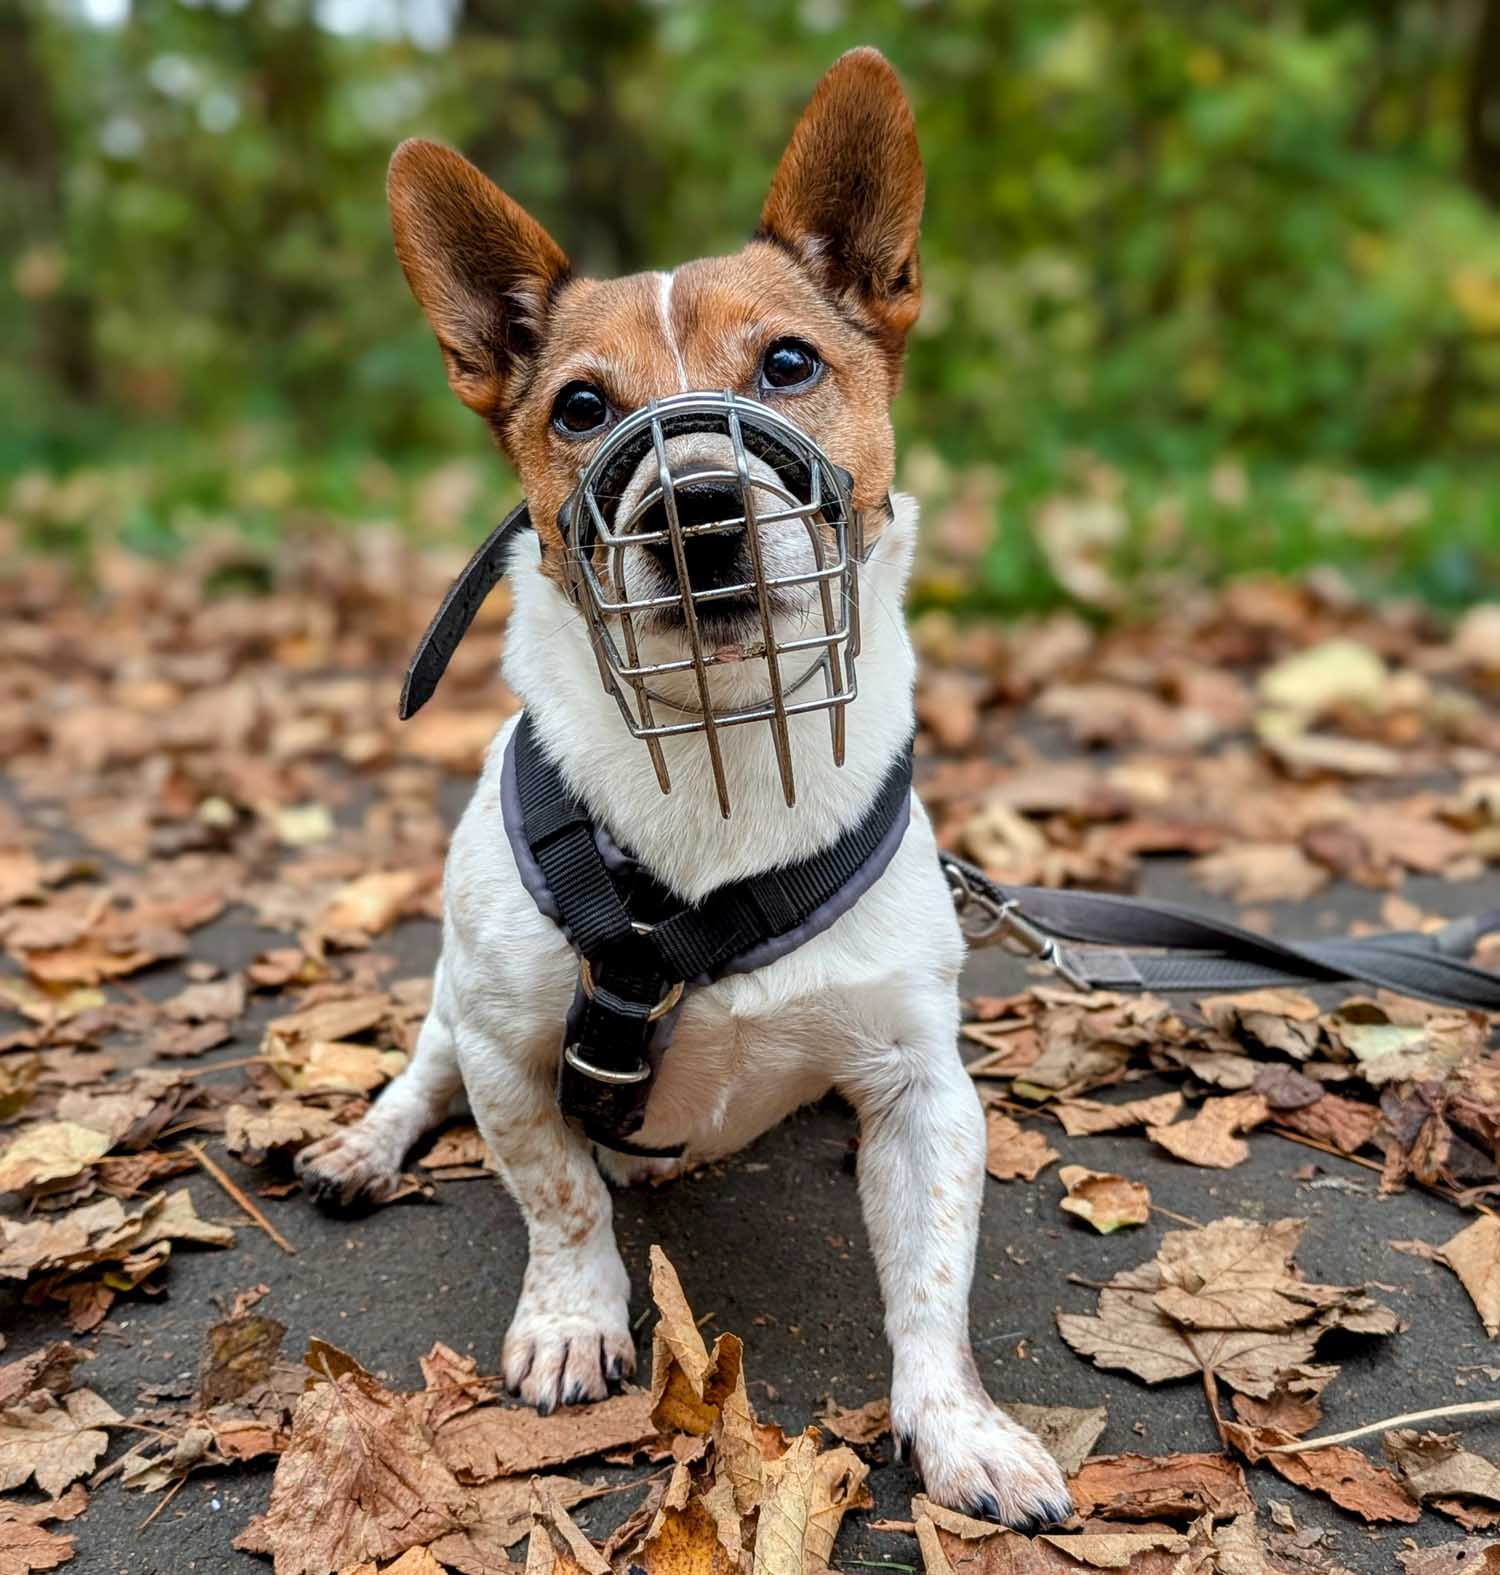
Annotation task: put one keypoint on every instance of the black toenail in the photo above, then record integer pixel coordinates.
(904, 1446)
(544, 1407)
(616, 1369)
(987, 1507)
(1054, 1512)
(574, 1394)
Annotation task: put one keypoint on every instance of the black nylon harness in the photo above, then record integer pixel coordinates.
(639, 948)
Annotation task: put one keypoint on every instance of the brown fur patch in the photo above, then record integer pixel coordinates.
(834, 264)
(725, 313)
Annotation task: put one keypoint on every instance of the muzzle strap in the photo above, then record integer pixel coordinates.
(450, 623)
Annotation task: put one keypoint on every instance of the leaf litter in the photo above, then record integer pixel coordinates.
(1251, 738)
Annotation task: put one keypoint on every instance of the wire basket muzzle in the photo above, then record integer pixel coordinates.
(773, 480)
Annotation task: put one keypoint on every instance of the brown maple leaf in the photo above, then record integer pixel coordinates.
(358, 1480)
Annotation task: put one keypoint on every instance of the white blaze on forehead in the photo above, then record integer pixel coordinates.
(664, 306)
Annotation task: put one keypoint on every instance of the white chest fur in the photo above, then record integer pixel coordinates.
(751, 1047)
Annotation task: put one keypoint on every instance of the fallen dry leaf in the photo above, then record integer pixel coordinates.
(1209, 1138)
(54, 1442)
(238, 1356)
(1436, 1469)
(1188, 1311)
(502, 1440)
(1014, 1152)
(48, 1371)
(1253, 872)
(458, 1146)
(24, 1548)
(1084, 1117)
(1106, 1201)
(1284, 1020)
(452, 1384)
(371, 904)
(1068, 1433)
(1346, 1124)
(954, 1544)
(1474, 1256)
(50, 1152)
(258, 1136)
(1165, 1487)
(1452, 1558)
(1347, 1476)
(700, 1392)
(858, 1424)
(502, 1517)
(1334, 673)
(557, 1546)
(358, 1480)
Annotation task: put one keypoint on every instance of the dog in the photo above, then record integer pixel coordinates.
(810, 318)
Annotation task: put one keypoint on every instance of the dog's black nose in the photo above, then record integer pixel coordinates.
(715, 558)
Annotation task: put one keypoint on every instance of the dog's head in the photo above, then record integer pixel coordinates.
(811, 316)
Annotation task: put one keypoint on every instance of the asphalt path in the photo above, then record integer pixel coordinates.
(770, 1245)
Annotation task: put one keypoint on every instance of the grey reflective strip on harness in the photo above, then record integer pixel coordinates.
(1196, 952)
(759, 955)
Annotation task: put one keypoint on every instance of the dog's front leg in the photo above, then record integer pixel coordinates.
(921, 1178)
(570, 1334)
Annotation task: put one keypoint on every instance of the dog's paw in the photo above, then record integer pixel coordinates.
(355, 1165)
(973, 1458)
(634, 1170)
(552, 1359)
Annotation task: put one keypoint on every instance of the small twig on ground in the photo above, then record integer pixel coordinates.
(240, 1196)
(172, 1493)
(1180, 1219)
(1407, 1419)
(1369, 1164)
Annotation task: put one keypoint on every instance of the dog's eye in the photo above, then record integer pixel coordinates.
(789, 363)
(579, 409)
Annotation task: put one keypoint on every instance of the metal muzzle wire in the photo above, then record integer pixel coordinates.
(783, 480)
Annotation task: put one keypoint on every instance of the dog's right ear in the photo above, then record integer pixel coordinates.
(482, 269)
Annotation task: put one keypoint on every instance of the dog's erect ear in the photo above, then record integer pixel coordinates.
(847, 197)
(483, 270)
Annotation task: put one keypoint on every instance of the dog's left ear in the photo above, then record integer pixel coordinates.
(847, 197)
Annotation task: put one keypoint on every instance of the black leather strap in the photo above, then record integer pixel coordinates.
(452, 619)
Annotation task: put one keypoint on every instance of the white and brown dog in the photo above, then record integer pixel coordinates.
(811, 318)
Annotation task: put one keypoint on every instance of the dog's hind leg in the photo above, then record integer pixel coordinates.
(569, 1337)
(363, 1162)
(921, 1177)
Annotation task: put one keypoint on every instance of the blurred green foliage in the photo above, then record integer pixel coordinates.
(1221, 276)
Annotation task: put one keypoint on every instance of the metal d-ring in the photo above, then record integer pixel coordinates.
(604, 1074)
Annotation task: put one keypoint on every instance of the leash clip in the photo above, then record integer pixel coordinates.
(1001, 920)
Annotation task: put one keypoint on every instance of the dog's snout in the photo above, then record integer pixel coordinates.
(714, 558)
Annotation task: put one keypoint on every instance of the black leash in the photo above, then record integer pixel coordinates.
(1196, 952)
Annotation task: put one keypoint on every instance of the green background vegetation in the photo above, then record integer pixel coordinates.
(1211, 284)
